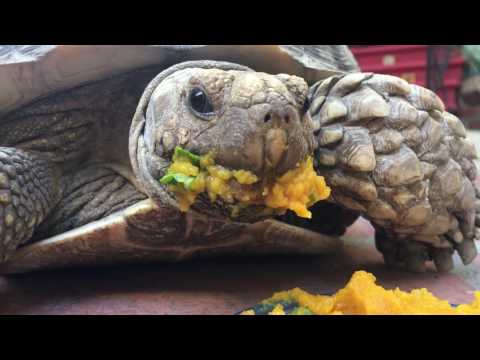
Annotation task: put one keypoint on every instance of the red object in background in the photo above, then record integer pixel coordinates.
(410, 63)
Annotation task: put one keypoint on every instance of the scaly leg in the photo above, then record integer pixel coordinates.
(389, 150)
(29, 189)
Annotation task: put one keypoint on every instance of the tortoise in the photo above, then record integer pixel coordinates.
(88, 131)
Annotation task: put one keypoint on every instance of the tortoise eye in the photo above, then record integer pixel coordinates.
(199, 102)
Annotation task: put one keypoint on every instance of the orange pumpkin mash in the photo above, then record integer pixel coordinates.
(362, 296)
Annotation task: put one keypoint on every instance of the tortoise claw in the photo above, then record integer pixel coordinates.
(467, 251)
(414, 256)
(416, 264)
(442, 259)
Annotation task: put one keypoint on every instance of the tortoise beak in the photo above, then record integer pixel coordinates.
(275, 146)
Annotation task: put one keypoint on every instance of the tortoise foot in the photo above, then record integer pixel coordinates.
(389, 150)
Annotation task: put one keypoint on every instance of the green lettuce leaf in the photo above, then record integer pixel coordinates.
(175, 178)
(179, 152)
(178, 178)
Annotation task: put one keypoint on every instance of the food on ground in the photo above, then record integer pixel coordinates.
(362, 296)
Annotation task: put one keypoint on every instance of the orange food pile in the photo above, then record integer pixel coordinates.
(362, 296)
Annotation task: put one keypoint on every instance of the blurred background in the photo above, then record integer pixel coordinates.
(452, 71)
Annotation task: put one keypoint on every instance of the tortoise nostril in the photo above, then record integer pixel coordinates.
(278, 118)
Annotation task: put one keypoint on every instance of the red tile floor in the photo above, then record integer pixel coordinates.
(211, 287)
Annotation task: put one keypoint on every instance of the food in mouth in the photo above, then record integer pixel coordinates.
(190, 175)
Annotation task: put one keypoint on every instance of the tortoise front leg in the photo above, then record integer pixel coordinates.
(389, 150)
(29, 189)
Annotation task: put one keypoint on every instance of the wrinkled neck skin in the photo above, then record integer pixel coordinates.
(251, 121)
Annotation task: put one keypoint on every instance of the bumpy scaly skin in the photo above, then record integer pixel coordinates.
(259, 122)
(28, 191)
(390, 151)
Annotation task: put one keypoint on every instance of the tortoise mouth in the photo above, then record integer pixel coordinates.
(198, 182)
(214, 190)
(151, 168)
(219, 192)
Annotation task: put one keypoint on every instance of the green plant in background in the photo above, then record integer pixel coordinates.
(472, 56)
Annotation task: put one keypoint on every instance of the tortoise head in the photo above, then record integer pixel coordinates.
(249, 120)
